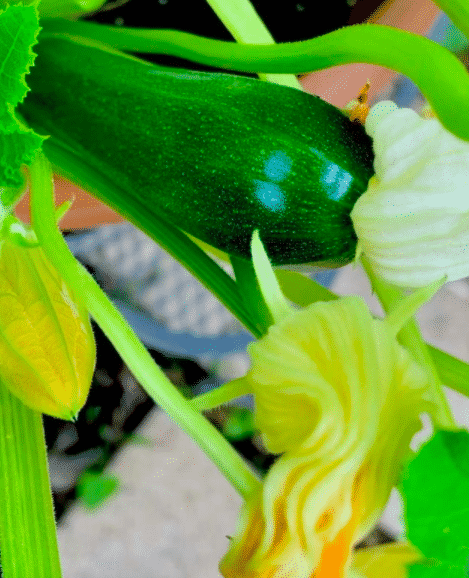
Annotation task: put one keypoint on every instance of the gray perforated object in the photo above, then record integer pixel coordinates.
(131, 265)
(168, 308)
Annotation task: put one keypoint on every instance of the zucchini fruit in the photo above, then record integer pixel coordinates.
(217, 155)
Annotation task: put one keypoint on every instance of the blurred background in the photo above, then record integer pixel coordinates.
(133, 495)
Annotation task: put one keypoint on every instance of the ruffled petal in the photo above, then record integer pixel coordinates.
(413, 221)
(340, 399)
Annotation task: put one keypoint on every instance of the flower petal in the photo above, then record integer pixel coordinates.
(413, 220)
(47, 348)
(340, 399)
(389, 560)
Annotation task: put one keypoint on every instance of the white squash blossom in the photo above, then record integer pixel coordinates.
(412, 222)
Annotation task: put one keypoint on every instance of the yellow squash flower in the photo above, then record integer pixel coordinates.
(47, 348)
(412, 222)
(339, 399)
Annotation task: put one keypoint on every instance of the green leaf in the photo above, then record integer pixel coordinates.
(435, 488)
(19, 27)
(301, 289)
(139, 440)
(250, 291)
(437, 571)
(94, 488)
(18, 31)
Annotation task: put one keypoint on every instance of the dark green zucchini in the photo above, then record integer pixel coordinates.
(217, 155)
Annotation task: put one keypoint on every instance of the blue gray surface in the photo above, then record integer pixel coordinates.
(170, 310)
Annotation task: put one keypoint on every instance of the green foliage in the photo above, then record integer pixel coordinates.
(436, 494)
(139, 440)
(18, 31)
(240, 424)
(68, 8)
(436, 507)
(94, 488)
(435, 571)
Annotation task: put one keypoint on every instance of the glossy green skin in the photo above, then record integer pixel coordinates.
(218, 155)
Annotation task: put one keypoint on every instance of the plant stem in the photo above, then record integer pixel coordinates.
(221, 395)
(445, 84)
(246, 27)
(453, 372)
(410, 337)
(28, 538)
(124, 339)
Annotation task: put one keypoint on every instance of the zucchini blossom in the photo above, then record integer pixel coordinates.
(339, 400)
(47, 347)
(412, 222)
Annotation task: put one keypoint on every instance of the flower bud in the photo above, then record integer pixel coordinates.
(340, 399)
(412, 222)
(47, 348)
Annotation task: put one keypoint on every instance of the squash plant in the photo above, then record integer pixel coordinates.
(270, 176)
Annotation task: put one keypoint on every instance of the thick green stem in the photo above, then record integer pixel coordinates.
(445, 84)
(28, 539)
(246, 27)
(410, 337)
(126, 342)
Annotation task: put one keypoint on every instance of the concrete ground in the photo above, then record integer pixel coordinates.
(174, 510)
(169, 519)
